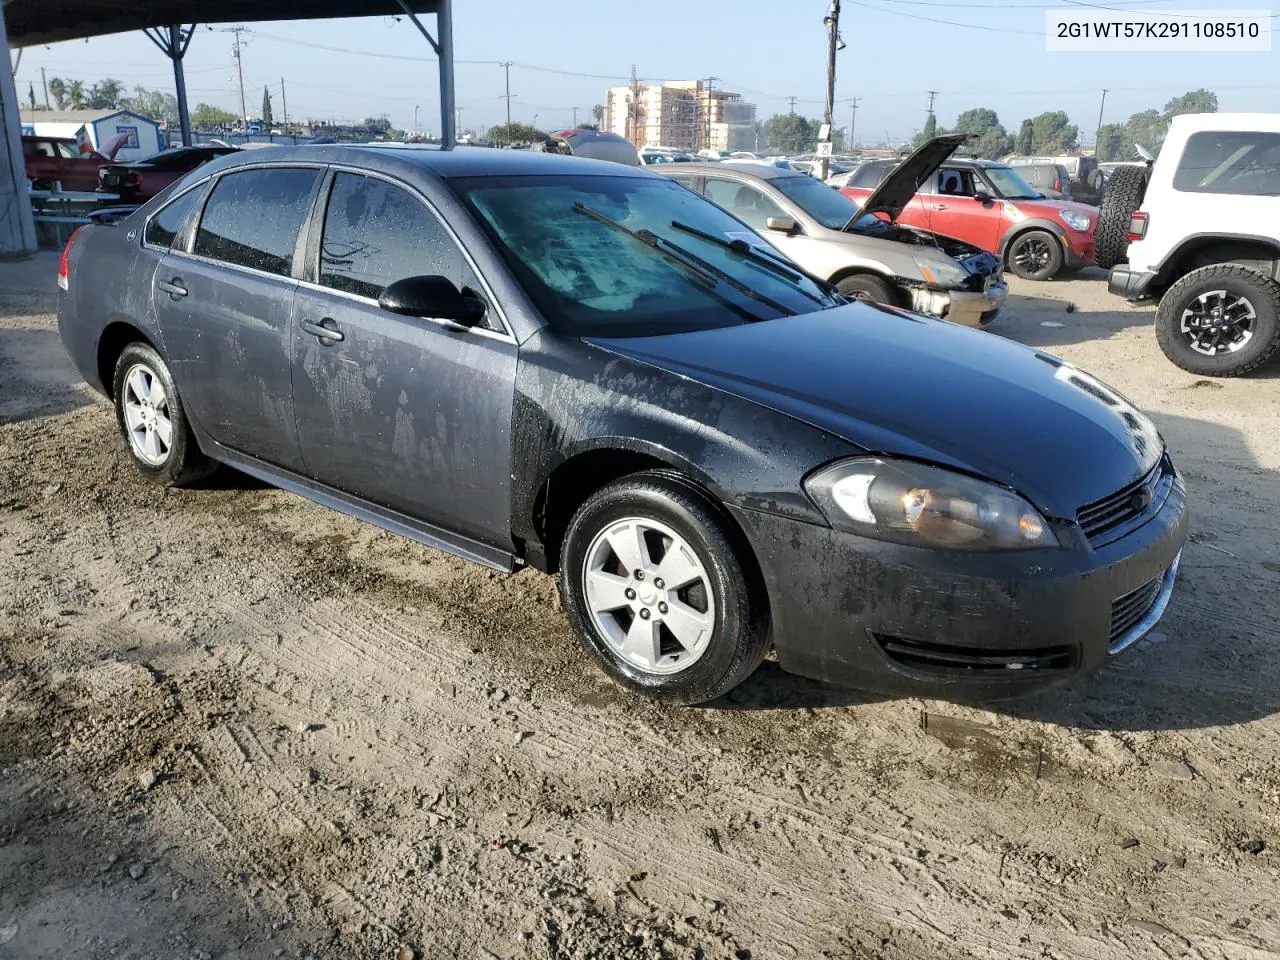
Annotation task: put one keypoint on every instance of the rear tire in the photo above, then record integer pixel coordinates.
(151, 419)
(1220, 321)
(865, 286)
(686, 641)
(1035, 255)
(1123, 195)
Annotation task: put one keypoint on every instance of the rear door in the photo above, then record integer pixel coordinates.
(754, 206)
(412, 414)
(224, 298)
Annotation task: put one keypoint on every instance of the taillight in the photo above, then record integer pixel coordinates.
(64, 278)
(1137, 226)
(1057, 184)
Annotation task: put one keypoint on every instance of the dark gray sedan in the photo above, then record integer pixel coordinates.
(527, 359)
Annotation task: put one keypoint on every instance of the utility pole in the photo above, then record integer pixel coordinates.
(792, 101)
(458, 122)
(706, 120)
(633, 110)
(44, 83)
(853, 120)
(575, 118)
(932, 95)
(1097, 137)
(236, 51)
(506, 66)
(832, 22)
(415, 119)
(284, 106)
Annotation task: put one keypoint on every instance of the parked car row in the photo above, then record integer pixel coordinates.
(54, 161)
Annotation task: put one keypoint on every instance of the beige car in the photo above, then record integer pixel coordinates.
(829, 236)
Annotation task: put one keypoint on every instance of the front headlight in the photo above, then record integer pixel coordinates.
(941, 273)
(1076, 220)
(926, 507)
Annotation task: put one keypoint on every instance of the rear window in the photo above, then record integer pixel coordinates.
(252, 218)
(1230, 162)
(869, 175)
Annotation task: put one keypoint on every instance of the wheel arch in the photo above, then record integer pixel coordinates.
(862, 270)
(588, 468)
(1207, 249)
(115, 337)
(1023, 227)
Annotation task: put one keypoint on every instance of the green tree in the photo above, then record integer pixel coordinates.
(1026, 141)
(155, 104)
(1054, 132)
(266, 110)
(75, 95)
(58, 90)
(31, 94)
(206, 117)
(790, 132)
(1147, 129)
(379, 125)
(597, 114)
(1193, 101)
(988, 137)
(930, 127)
(1113, 143)
(587, 126)
(105, 95)
(516, 133)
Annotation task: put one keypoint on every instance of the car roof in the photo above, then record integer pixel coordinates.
(1228, 122)
(758, 170)
(463, 161)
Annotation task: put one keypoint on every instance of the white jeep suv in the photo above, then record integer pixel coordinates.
(1200, 231)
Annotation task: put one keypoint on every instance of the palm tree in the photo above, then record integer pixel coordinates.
(597, 114)
(75, 94)
(58, 90)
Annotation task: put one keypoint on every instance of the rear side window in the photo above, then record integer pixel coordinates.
(869, 175)
(252, 218)
(1245, 163)
(376, 233)
(165, 226)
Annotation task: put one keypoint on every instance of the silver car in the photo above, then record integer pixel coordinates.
(828, 235)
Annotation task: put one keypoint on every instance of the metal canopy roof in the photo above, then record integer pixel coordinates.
(47, 21)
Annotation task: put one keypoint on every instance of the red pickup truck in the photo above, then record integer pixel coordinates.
(52, 160)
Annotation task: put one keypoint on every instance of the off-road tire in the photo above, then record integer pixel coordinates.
(183, 464)
(1263, 294)
(865, 286)
(1052, 266)
(1122, 196)
(741, 633)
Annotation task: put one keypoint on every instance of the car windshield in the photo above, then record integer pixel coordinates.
(600, 255)
(1010, 185)
(824, 203)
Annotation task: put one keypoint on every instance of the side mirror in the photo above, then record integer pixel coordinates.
(983, 197)
(435, 297)
(781, 224)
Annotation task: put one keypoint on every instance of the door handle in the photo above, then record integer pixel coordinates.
(173, 288)
(940, 206)
(326, 331)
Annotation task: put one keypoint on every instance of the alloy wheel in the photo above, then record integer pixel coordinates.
(146, 415)
(649, 595)
(1218, 322)
(1033, 255)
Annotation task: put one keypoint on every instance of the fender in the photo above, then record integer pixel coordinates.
(1174, 255)
(1033, 223)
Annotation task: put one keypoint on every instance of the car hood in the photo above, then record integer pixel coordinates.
(897, 189)
(1051, 208)
(898, 384)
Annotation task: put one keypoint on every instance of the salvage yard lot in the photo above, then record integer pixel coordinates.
(235, 724)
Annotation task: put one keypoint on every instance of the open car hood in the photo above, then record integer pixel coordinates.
(893, 195)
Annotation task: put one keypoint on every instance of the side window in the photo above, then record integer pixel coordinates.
(252, 218)
(955, 183)
(745, 202)
(67, 152)
(376, 233)
(164, 227)
(1238, 162)
(869, 175)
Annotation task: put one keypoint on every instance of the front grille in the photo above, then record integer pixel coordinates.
(1104, 516)
(1128, 610)
(943, 659)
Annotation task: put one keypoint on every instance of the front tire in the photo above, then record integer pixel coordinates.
(1036, 255)
(661, 591)
(864, 286)
(150, 416)
(1220, 321)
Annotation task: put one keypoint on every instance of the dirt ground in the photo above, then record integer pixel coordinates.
(235, 724)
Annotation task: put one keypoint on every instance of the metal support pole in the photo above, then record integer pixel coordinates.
(444, 27)
(177, 50)
(1097, 137)
(17, 228)
(833, 38)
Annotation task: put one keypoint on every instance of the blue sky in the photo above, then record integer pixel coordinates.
(766, 49)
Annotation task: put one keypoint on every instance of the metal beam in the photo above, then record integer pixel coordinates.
(444, 26)
(173, 43)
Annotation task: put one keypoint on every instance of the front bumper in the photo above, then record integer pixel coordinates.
(1130, 284)
(962, 626)
(1079, 252)
(967, 308)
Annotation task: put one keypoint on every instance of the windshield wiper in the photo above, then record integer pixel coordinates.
(690, 261)
(770, 261)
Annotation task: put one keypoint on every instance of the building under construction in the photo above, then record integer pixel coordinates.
(685, 114)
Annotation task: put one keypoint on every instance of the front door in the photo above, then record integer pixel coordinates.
(410, 414)
(949, 205)
(224, 304)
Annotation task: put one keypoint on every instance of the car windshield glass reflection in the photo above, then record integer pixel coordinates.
(590, 277)
(1010, 185)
